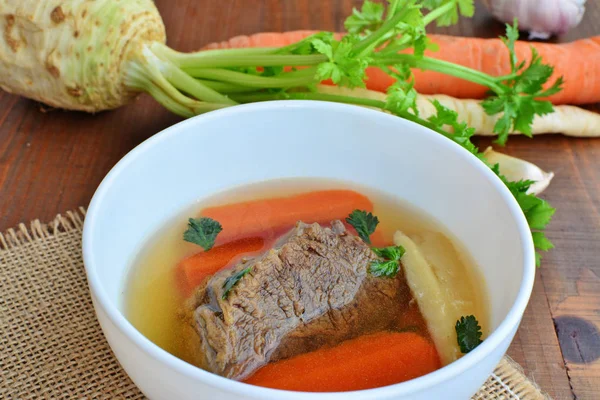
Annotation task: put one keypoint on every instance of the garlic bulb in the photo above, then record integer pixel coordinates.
(516, 169)
(541, 18)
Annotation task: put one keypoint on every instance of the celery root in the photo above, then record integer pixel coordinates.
(72, 54)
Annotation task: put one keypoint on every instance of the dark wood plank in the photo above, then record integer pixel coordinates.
(569, 273)
(536, 347)
(51, 162)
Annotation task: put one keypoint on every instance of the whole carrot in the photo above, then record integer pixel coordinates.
(366, 362)
(578, 62)
(270, 215)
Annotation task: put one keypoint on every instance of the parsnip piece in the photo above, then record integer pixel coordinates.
(465, 287)
(448, 268)
(437, 309)
(443, 288)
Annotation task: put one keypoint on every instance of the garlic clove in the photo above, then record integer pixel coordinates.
(542, 18)
(515, 169)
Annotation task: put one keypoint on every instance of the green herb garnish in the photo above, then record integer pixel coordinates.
(468, 333)
(233, 280)
(364, 222)
(390, 265)
(537, 212)
(203, 232)
(389, 253)
(518, 100)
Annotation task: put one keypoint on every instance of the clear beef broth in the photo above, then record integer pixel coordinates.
(154, 302)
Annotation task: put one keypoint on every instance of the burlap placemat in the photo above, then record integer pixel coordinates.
(51, 346)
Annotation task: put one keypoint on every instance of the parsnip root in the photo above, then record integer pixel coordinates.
(567, 120)
(515, 169)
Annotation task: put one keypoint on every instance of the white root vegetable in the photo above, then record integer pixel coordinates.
(568, 120)
(441, 287)
(71, 54)
(515, 169)
(430, 297)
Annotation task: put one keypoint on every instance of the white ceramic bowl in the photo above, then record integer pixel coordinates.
(223, 149)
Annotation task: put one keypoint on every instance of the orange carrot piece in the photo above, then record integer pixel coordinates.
(198, 267)
(578, 62)
(367, 362)
(267, 215)
(378, 240)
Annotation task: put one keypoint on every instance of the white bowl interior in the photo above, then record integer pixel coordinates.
(205, 155)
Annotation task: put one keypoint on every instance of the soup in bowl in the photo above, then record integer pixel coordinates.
(305, 250)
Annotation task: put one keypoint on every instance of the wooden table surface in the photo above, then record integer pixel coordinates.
(53, 161)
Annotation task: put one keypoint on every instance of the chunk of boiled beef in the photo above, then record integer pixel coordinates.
(312, 290)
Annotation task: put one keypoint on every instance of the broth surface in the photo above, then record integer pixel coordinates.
(153, 299)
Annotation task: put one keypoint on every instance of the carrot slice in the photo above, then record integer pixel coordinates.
(259, 216)
(198, 267)
(366, 362)
(377, 238)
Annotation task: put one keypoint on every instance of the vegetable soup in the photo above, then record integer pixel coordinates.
(308, 285)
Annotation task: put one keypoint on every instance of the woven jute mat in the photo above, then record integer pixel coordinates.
(51, 346)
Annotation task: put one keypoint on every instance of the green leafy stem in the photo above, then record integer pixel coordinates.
(391, 38)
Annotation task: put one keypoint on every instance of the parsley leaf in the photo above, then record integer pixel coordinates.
(468, 333)
(364, 222)
(401, 98)
(512, 35)
(386, 268)
(541, 241)
(537, 212)
(202, 231)
(231, 281)
(390, 264)
(518, 100)
(466, 7)
(389, 253)
(344, 67)
(368, 19)
(305, 46)
(461, 131)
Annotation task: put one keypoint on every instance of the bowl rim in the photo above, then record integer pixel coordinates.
(496, 337)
